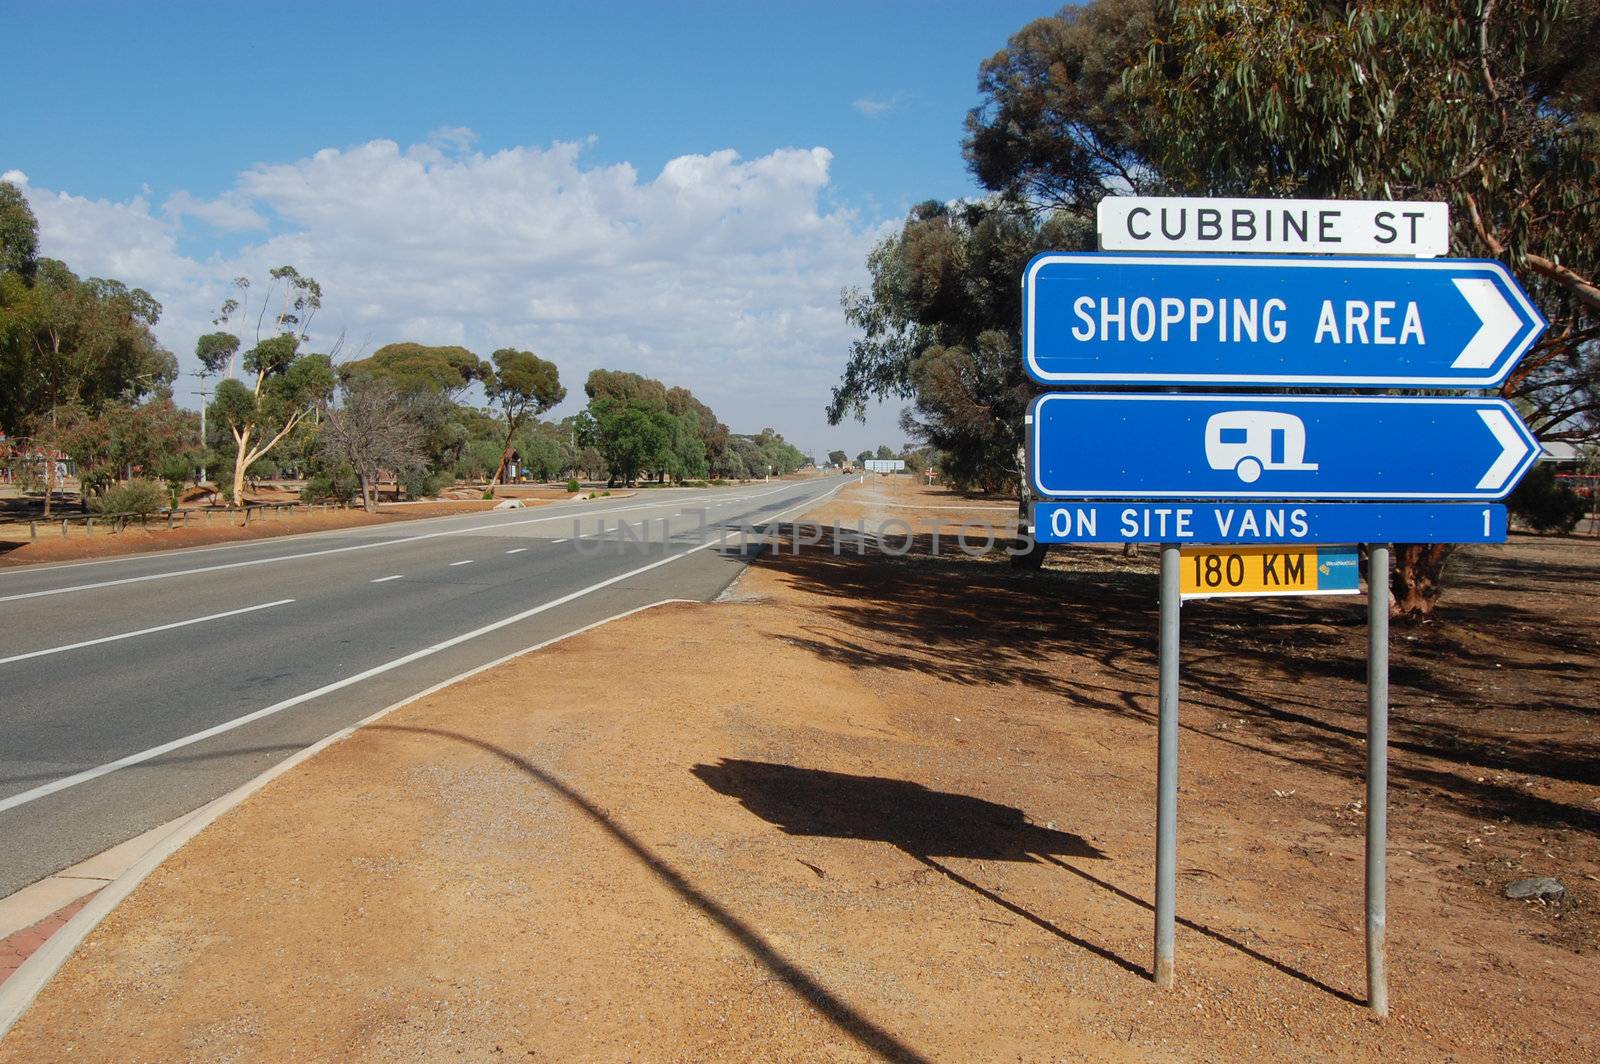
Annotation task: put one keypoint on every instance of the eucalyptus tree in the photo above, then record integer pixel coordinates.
(522, 386)
(282, 386)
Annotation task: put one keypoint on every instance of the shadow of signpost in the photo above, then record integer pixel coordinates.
(906, 815)
(925, 824)
(928, 824)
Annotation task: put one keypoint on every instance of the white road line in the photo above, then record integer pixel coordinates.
(143, 631)
(516, 550)
(18, 991)
(65, 782)
(386, 579)
(553, 541)
(327, 551)
(463, 561)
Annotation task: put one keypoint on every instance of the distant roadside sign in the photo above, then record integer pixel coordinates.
(1101, 318)
(1119, 446)
(1262, 523)
(1317, 227)
(885, 465)
(1233, 572)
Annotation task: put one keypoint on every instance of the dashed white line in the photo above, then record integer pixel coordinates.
(516, 550)
(386, 579)
(463, 561)
(557, 541)
(86, 775)
(143, 631)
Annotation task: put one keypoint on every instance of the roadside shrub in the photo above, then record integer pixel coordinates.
(573, 485)
(1545, 504)
(340, 487)
(421, 483)
(132, 497)
(488, 493)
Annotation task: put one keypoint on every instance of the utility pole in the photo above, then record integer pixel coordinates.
(204, 393)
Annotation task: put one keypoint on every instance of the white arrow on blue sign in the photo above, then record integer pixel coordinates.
(1096, 318)
(1123, 446)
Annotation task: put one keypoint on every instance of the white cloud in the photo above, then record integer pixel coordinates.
(876, 106)
(229, 213)
(719, 273)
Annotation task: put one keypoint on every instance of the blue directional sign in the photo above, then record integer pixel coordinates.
(1122, 446)
(1268, 523)
(1249, 319)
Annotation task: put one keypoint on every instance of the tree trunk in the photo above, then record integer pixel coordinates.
(505, 453)
(1417, 579)
(367, 502)
(241, 458)
(49, 481)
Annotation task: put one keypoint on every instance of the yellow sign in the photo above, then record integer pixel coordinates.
(1215, 572)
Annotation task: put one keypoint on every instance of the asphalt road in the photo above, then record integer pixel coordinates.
(136, 689)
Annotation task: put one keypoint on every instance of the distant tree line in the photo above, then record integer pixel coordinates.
(82, 376)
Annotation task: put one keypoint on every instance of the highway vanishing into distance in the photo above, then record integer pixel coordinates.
(134, 690)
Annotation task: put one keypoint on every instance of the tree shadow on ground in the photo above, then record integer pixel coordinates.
(865, 1032)
(927, 824)
(1293, 669)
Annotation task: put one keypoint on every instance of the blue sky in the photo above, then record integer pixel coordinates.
(126, 106)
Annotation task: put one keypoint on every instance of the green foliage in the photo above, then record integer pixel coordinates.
(285, 385)
(837, 458)
(333, 484)
(478, 460)
(65, 340)
(940, 325)
(123, 437)
(523, 385)
(216, 351)
(1493, 107)
(638, 426)
(419, 482)
(1057, 128)
(19, 233)
(176, 472)
(574, 486)
(132, 497)
(632, 436)
(418, 368)
(545, 450)
(762, 453)
(1545, 504)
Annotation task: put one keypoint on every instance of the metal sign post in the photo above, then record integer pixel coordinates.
(1167, 767)
(1377, 775)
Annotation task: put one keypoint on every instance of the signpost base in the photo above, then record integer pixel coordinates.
(1377, 775)
(1167, 767)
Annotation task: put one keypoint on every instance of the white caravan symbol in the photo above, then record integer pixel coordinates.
(1249, 441)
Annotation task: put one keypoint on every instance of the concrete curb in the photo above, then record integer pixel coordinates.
(19, 991)
(39, 901)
